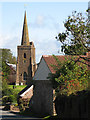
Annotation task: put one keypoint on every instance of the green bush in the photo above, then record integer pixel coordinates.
(6, 91)
(6, 99)
(22, 108)
(11, 98)
(16, 105)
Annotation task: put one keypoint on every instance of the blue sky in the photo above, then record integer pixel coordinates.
(45, 21)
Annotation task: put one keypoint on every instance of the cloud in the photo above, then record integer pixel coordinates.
(40, 20)
(46, 22)
(45, 42)
(9, 42)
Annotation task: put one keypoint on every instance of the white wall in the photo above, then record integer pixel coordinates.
(42, 71)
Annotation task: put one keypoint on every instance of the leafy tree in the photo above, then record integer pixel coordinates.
(76, 38)
(5, 57)
(70, 76)
(6, 91)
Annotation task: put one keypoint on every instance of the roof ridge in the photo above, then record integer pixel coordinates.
(52, 55)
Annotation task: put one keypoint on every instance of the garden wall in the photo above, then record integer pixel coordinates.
(73, 106)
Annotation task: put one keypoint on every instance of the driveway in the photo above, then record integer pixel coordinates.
(7, 115)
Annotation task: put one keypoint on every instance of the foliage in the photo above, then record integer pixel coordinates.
(6, 91)
(7, 56)
(23, 104)
(76, 35)
(70, 76)
(15, 91)
(6, 99)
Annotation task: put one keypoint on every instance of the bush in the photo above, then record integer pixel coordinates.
(11, 98)
(22, 108)
(16, 105)
(6, 91)
(6, 99)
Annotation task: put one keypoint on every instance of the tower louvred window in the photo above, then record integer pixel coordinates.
(24, 55)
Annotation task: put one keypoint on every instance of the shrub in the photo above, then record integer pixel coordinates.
(16, 105)
(11, 98)
(6, 99)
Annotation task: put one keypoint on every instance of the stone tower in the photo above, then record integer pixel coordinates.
(26, 64)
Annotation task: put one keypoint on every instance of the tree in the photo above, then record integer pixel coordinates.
(76, 38)
(6, 56)
(70, 76)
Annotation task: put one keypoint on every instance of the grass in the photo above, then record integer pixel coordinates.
(51, 118)
(18, 88)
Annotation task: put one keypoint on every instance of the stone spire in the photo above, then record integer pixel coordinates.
(25, 36)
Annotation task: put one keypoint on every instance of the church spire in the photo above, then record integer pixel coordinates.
(25, 36)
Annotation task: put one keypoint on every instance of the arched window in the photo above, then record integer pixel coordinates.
(24, 55)
(25, 76)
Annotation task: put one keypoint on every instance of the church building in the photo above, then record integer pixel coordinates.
(26, 63)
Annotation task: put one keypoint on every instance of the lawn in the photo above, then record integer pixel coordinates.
(17, 88)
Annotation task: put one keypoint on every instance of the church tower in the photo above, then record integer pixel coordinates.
(26, 64)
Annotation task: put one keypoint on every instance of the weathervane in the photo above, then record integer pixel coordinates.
(25, 6)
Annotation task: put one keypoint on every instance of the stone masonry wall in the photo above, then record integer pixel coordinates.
(42, 101)
(25, 64)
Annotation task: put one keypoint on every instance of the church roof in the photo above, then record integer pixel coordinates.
(25, 35)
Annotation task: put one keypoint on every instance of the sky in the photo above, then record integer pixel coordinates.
(44, 19)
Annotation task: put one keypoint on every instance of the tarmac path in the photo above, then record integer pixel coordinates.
(7, 115)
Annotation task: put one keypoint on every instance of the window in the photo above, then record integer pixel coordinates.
(24, 55)
(25, 76)
(30, 43)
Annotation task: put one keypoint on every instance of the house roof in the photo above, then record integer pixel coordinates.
(50, 60)
(13, 66)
